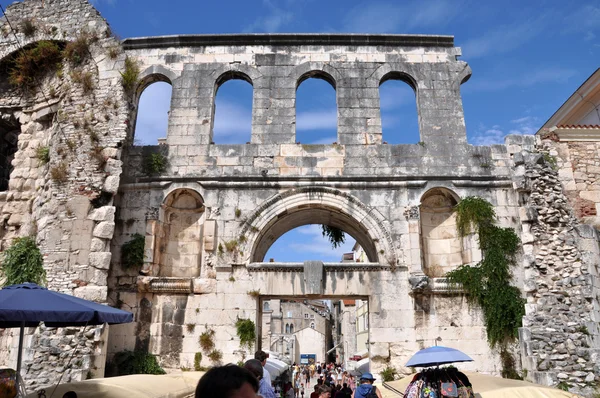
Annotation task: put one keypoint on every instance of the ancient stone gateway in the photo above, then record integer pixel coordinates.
(241, 198)
(208, 218)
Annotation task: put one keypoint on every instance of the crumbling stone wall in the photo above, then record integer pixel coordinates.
(79, 112)
(560, 340)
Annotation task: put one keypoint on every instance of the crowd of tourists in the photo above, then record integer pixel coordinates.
(313, 380)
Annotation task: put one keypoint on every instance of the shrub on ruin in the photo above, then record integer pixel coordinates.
(32, 62)
(215, 355)
(389, 373)
(136, 362)
(132, 252)
(206, 340)
(23, 262)
(27, 27)
(43, 154)
(246, 331)
(197, 361)
(154, 163)
(78, 50)
(130, 76)
(60, 172)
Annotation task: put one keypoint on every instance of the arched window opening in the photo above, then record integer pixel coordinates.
(399, 113)
(266, 306)
(292, 328)
(233, 109)
(153, 114)
(9, 134)
(308, 243)
(443, 249)
(287, 328)
(316, 109)
(312, 325)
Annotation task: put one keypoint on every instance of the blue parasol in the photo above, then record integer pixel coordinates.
(28, 304)
(438, 355)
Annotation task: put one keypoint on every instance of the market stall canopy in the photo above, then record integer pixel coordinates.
(134, 386)
(28, 304)
(276, 367)
(486, 386)
(438, 355)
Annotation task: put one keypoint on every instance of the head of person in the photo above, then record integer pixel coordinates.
(324, 392)
(255, 367)
(367, 378)
(261, 356)
(70, 394)
(229, 381)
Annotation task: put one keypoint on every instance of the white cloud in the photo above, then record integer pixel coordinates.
(527, 79)
(384, 17)
(495, 135)
(316, 120)
(272, 22)
(153, 114)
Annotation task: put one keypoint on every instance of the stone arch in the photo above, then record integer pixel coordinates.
(153, 74)
(406, 72)
(173, 241)
(442, 248)
(319, 70)
(318, 205)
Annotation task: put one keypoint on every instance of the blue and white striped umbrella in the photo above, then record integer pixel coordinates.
(438, 355)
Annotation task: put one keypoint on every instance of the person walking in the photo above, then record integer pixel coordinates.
(366, 387)
(264, 387)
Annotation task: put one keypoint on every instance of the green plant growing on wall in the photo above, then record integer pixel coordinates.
(23, 262)
(246, 331)
(215, 356)
(254, 293)
(206, 340)
(78, 50)
(389, 373)
(154, 163)
(137, 362)
(33, 62)
(43, 154)
(60, 172)
(130, 76)
(335, 235)
(27, 27)
(197, 361)
(487, 284)
(132, 252)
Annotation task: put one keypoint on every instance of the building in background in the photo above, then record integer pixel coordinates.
(293, 328)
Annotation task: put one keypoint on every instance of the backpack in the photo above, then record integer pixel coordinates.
(373, 393)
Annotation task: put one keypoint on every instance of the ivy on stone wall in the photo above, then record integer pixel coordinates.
(23, 262)
(132, 252)
(246, 331)
(488, 283)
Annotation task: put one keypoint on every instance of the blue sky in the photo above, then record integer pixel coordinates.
(526, 57)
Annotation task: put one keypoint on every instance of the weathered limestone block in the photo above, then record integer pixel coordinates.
(204, 285)
(104, 213)
(104, 229)
(92, 293)
(100, 260)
